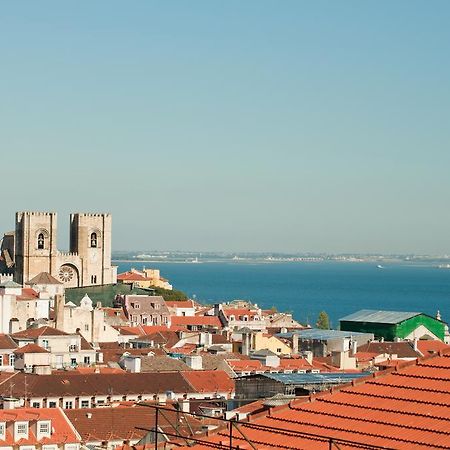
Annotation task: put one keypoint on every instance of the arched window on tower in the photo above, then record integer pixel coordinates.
(40, 241)
(94, 240)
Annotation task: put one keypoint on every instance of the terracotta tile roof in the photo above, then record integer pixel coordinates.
(91, 370)
(117, 422)
(429, 347)
(131, 276)
(165, 338)
(57, 385)
(205, 321)
(28, 294)
(404, 409)
(294, 364)
(62, 432)
(44, 278)
(236, 312)
(180, 303)
(129, 331)
(209, 381)
(114, 312)
(186, 349)
(30, 348)
(33, 333)
(220, 339)
(6, 343)
(245, 365)
(106, 424)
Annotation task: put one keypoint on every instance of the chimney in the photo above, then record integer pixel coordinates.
(295, 343)
(89, 415)
(415, 341)
(308, 355)
(59, 311)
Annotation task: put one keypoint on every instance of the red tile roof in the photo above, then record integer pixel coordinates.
(57, 385)
(204, 321)
(106, 424)
(294, 364)
(236, 312)
(180, 303)
(62, 432)
(28, 294)
(6, 343)
(428, 347)
(406, 408)
(245, 365)
(30, 348)
(131, 276)
(33, 333)
(186, 349)
(209, 381)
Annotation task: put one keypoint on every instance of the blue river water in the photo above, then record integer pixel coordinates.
(305, 288)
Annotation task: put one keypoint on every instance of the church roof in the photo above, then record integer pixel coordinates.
(44, 278)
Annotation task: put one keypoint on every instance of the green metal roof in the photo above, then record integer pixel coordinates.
(373, 316)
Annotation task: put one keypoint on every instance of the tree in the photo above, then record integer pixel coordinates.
(323, 321)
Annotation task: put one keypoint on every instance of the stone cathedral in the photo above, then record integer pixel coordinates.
(87, 263)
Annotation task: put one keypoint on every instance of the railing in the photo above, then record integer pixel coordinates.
(235, 432)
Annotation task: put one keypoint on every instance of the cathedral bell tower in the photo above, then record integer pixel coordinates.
(35, 244)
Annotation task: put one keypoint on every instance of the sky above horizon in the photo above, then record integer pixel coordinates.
(238, 126)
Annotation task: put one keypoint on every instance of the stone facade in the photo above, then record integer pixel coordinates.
(88, 262)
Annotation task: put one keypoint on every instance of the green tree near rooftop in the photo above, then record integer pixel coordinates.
(323, 321)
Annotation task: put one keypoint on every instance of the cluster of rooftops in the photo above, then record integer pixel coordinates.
(175, 372)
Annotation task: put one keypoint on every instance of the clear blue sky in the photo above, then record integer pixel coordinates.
(237, 125)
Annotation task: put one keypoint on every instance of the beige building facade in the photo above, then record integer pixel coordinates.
(87, 263)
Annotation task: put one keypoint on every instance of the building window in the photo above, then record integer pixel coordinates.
(44, 428)
(278, 350)
(73, 361)
(40, 241)
(72, 348)
(86, 327)
(52, 404)
(94, 279)
(35, 405)
(85, 403)
(2, 430)
(1, 360)
(12, 358)
(68, 405)
(22, 429)
(93, 240)
(87, 359)
(45, 343)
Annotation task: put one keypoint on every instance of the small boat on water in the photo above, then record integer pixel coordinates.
(379, 266)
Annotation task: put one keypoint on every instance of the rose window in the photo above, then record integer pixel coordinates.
(66, 273)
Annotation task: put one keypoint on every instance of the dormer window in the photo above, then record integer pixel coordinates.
(41, 241)
(44, 429)
(21, 430)
(93, 240)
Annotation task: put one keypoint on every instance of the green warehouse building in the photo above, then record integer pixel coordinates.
(394, 325)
